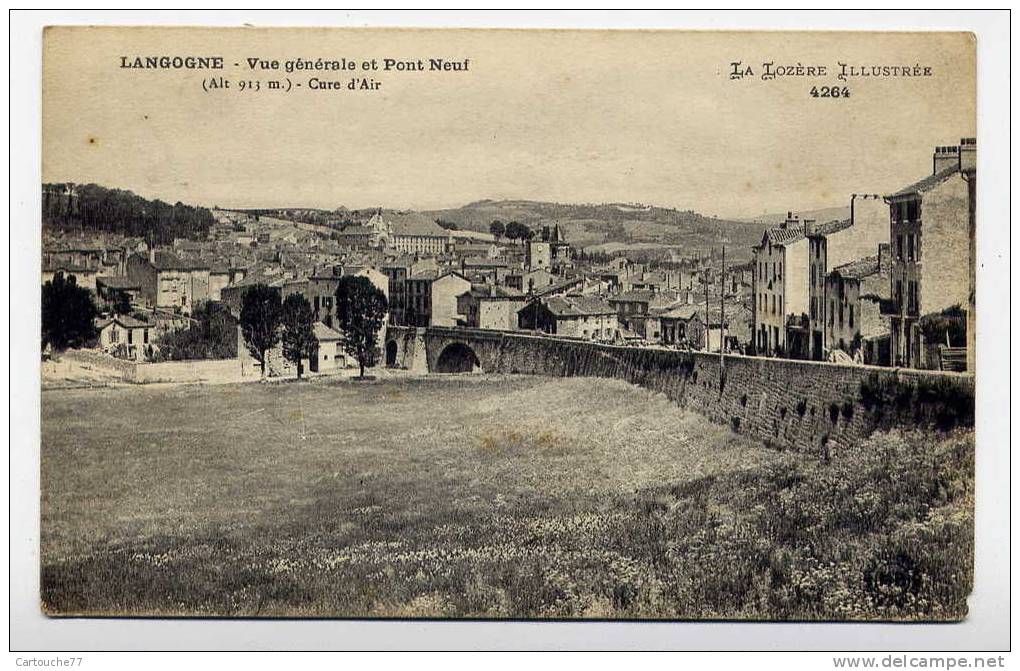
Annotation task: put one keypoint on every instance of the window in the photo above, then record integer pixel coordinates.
(851, 316)
(114, 335)
(780, 305)
(899, 246)
(130, 337)
(913, 210)
(899, 295)
(145, 336)
(910, 246)
(780, 270)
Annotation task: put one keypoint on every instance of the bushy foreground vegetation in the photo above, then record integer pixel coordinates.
(484, 497)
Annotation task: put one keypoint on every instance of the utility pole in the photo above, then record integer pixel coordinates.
(708, 322)
(722, 312)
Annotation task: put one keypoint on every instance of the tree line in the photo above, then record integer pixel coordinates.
(513, 230)
(268, 321)
(89, 207)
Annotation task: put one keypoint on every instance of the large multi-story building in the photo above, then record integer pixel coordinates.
(780, 288)
(932, 240)
(431, 299)
(167, 281)
(414, 233)
(854, 322)
(834, 244)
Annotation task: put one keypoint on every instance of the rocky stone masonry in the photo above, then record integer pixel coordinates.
(806, 406)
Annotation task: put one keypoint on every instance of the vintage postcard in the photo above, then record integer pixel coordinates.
(508, 324)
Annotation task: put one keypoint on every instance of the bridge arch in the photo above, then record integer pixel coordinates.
(457, 358)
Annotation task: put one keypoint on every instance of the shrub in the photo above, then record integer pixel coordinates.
(848, 410)
(743, 400)
(735, 424)
(936, 402)
(833, 412)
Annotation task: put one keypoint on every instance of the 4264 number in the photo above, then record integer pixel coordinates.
(830, 92)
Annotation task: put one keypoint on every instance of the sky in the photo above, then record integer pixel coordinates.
(566, 116)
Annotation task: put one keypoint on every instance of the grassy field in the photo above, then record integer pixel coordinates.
(482, 497)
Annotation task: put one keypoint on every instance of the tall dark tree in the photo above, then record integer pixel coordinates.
(260, 321)
(121, 303)
(68, 313)
(518, 231)
(497, 228)
(360, 310)
(298, 338)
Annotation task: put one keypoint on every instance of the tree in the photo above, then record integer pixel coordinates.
(518, 231)
(360, 309)
(213, 335)
(497, 228)
(298, 338)
(260, 321)
(68, 313)
(121, 303)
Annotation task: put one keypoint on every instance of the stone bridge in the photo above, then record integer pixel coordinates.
(805, 405)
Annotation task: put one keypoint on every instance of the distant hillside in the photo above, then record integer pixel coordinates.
(89, 207)
(610, 227)
(822, 215)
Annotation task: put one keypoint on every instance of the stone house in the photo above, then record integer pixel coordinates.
(169, 282)
(781, 289)
(124, 336)
(585, 317)
(328, 354)
(932, 244)
(491, 307)
(853, 293)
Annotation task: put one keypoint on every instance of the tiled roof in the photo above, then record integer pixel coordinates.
(859, 268)
(557, 286)
(414, 223)
(67, 267)
(484, 262)
(778, 235)
(324, 333)
(577, 306)
(127, 321)
(680, 312)
(165, 260)
(639, 295)
(490, 292)
(927, 183)
(118, 282)
(833, 226)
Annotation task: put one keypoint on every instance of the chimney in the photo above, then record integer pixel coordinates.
(790, 221)
(968, 153)
(945, 157)
(883, 257)
(809, 227)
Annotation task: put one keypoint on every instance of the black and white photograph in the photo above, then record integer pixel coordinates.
(365, 323)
